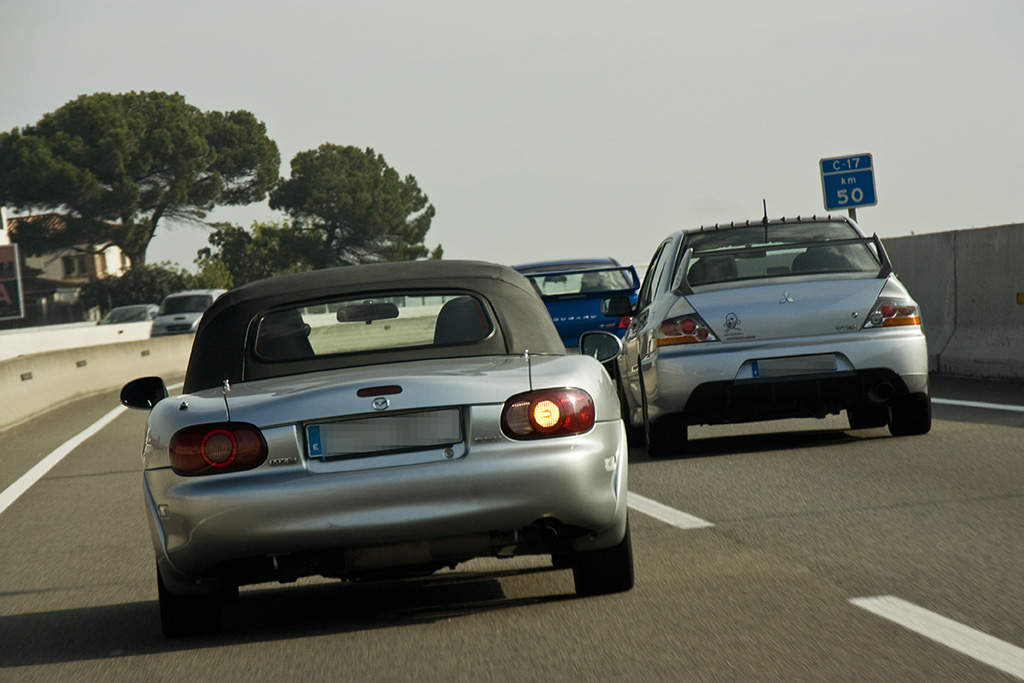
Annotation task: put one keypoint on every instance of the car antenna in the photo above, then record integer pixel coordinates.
(224, 389)
(529, 366)
(764, 203)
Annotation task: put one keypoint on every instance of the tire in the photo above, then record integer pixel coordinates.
(911, 415)
(561, 559)
(634, 435)
(188, 615)
(605, 571)
(868, 417)
(666, 437)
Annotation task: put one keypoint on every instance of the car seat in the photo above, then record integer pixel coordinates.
(710, 269)
(461, 320)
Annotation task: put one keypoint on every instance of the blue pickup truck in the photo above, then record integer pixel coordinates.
(573, 292)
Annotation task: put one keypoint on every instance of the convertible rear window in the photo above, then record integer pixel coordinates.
(758, 252)
(371, 324)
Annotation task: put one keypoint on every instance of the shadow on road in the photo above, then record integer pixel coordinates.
(260, 614)
(701, 446)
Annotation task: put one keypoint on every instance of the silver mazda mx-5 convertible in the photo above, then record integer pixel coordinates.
(383, 420)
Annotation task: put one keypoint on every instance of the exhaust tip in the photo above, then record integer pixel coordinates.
(882, 392)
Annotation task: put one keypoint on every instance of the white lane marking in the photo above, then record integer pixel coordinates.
(665, 513)
(25, 482)
(978, 404)
(954, 635)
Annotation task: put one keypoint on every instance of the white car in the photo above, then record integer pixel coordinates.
(768, 320)
(375, 421)
(181, 312)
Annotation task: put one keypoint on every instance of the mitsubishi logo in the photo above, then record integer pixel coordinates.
(380, 403)
(786, 298)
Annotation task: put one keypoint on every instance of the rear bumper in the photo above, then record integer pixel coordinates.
(443, 512)
(714, 385)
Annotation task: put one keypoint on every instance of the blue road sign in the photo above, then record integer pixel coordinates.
(848, 182)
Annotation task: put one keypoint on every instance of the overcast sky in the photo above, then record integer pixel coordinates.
(558, 129)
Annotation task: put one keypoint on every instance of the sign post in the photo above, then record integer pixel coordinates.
(848, 182)
(12, 304)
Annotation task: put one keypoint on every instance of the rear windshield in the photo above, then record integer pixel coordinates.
(126, 315)
(751, 253)
(371, 324)
(562, 281)
(192, 303)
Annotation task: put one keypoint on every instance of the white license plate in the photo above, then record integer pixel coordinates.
(796, 365)
(384, 434)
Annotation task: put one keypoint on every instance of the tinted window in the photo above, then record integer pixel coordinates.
(653, 274)
(608, 279)
(776, 251)
(192, 303)
(126, 315)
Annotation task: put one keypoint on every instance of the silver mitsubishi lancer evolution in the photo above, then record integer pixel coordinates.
(767, 320)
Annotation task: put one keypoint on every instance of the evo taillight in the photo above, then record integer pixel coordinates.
(893, 313)
(685, 329)
(545, 413)
(217, 447)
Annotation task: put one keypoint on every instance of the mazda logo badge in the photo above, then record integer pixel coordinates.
(380, 403)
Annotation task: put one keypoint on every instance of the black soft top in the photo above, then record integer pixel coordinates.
(220, 351)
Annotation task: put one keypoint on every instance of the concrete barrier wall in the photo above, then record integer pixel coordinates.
(925, 264)
(970, 285)
(31, 384)
(22, 342)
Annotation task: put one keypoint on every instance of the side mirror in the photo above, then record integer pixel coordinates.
(143, 393)
(617, 306)
(600, 345)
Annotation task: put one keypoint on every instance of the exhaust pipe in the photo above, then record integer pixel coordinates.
(548, 534)
(881, 393)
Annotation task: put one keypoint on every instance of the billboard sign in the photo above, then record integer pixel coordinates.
(12, 304)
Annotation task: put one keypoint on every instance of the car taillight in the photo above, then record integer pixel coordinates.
(624, 321)
(549, 412)
(687, 329)
(893, 312)
(217, 447)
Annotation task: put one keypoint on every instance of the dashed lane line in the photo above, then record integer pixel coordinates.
(954, 635)
(665, 513)
(979, 404)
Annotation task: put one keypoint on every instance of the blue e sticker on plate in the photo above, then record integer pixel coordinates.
(313, 438)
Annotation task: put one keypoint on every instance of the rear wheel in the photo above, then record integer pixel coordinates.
(609, 570)
(668, 436)
(188, 615)
(634, 435)
(868, 417)
(911, 415)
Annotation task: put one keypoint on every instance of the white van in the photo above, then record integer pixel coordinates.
(181, 312)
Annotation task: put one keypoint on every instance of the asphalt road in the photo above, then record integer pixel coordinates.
(790, 551)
